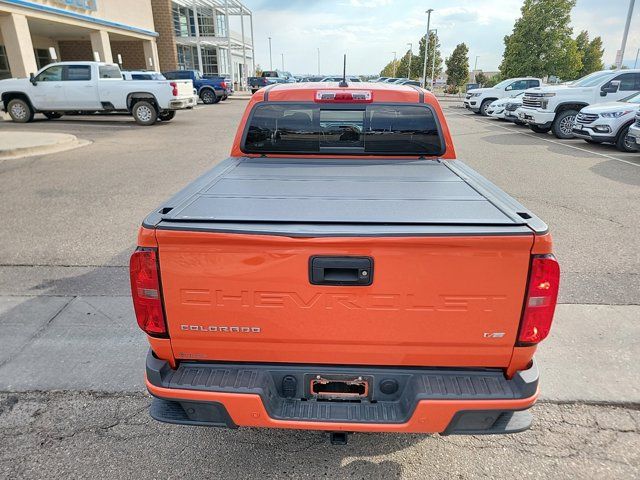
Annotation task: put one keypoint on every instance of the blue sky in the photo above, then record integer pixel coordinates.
(370, 30)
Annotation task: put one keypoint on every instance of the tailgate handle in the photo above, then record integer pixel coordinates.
(340, 270)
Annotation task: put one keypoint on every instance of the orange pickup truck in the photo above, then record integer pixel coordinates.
(342, 271)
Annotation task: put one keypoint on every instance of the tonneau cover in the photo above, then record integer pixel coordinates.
(344, 191)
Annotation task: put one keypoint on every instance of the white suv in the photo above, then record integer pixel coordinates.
(634, 131)
(554, 108)
(609, 123)
(478, 99)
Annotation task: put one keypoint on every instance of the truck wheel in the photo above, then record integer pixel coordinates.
(167, 115)
(624, 143)
(20, 111)
(144, 113)
(484, 106)
(52, 115)
(209, 96)
(562, 126)
(538, 129)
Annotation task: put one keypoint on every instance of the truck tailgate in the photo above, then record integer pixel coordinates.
(449, 296)
(185, 88)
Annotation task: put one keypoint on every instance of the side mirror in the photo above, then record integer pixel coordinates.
(611, 87)
(32, 79)
(509, 88)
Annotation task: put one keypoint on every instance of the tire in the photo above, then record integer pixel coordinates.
(622, 142)
(563, 124)
(20, 111)
(208, 96)
(52, 115)
(483, 107)
(144, 113)
(519, 122)
(538, 129)
(167, 115)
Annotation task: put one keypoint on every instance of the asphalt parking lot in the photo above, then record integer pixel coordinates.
(72, 402)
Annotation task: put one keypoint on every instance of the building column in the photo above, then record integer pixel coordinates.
(17, 43)
(100, 44)
(151, 59)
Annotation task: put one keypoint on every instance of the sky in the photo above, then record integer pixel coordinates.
(369, 31)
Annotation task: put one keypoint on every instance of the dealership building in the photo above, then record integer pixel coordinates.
(138, 34)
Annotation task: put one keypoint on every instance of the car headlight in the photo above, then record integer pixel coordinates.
(475, 94)
(617, 114)
(548, 95)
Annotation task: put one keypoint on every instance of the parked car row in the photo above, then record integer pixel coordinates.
(82, 88)
(270, 77)
(602, 107)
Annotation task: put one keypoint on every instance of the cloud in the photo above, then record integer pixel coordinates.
(370, 30)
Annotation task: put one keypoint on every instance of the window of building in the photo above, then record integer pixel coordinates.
(223, 63)
(221, 25)
(42, 57)
(187, 57)
(5, 72)
(209, 61)
(206, 22)
(183, 21)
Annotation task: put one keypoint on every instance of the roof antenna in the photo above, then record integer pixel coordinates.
(344, 83)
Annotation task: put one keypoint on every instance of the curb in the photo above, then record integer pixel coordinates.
(67, 142)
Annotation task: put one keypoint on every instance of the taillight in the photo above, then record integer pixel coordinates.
(540, 302)
(174, 87)
(338, 96)
(145, 290)
(224, 85)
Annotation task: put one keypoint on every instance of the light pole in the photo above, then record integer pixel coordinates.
(426, 49)
(318, 61)
(433, 65)
(270, 59)
(410, 55)
(282, 55)
(395, 55)
(475, 67)
(625, 34)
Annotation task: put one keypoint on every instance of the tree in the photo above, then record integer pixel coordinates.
(541, 43)
(481, 78)
(417, 61)
(590, 53)
(458, 67)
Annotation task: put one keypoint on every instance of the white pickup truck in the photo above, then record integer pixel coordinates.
(478, 99)
(554, 108)
(90, 87)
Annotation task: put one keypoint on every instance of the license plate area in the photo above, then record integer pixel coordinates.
(339, 388)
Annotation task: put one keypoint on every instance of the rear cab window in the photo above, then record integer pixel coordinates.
(109, 72)
(345, 129)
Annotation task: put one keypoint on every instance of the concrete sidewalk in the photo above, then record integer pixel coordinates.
(28, 143)
(93, 343)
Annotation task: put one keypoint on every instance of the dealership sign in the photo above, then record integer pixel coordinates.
(91, 5)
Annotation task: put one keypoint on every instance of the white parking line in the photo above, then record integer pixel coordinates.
(513, 130)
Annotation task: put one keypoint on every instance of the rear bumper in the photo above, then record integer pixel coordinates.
(535, 116)
(181, 103)
(446, 401)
